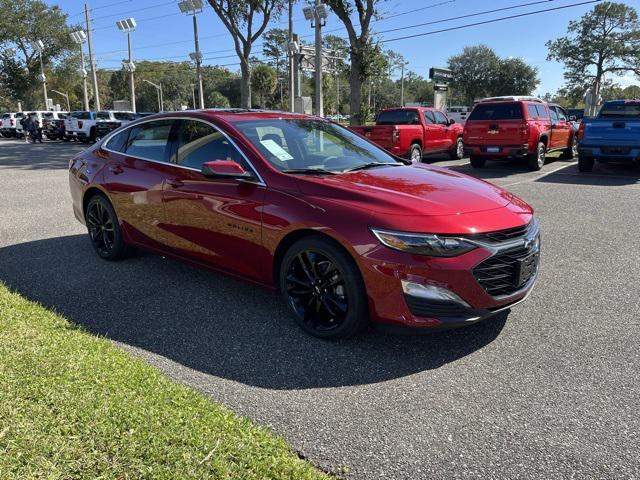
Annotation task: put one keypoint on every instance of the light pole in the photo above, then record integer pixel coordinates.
(318, 14)
(402, 65)
(79, 38)
(92, 63)
(159, 92)
(291, 60)
(39, 47)
(193, 7)
(65, 95)
(128, 25)
(193, 94)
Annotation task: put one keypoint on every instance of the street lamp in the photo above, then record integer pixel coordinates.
(79, 38)
(402, 65)
(38, 46)
(65, 95)
(318, 14)
(193, 94)
(128, 25)
(159, 91)
(193, 7)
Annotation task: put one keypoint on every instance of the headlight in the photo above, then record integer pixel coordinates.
(423, 243)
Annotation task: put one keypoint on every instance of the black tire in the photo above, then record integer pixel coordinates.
(458, 150)
(104, 229)
(535, 160)
(571, 152)
(477, 162)
(415, 153)
(323, 288)
(585, 164)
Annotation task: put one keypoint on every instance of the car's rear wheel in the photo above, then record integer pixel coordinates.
(535, 160)
(585, 164)
(104, 230)
(571, 152)
(458, 151)
(415, 153)
(477, 162)
(322, 286)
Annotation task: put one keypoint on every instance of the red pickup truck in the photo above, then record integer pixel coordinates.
(412, 132)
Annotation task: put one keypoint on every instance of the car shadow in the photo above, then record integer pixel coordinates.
(214, 324)
(603, 175)
(48, 155)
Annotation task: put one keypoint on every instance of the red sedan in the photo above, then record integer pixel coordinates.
(345, 231)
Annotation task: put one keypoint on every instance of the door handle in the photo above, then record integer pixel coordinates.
(116, 169)
(175, 182)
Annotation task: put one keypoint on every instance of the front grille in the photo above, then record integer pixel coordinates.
(497, 274)
(503, 235)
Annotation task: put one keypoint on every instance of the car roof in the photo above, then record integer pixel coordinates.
(232, 115)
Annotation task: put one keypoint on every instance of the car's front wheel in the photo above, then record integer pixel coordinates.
(104, 229)
(322, 286)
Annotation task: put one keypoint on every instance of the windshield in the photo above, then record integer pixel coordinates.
(6, 115)
(81, 115)
(398, 117)
(496, 111)
(103, 116)
(48, 115)
(311, 144)
(626, 109)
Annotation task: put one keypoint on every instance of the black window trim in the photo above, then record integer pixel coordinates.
(172, 141)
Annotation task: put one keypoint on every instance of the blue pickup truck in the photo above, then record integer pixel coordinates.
(612, 136)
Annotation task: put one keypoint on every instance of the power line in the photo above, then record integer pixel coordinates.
(491, 21)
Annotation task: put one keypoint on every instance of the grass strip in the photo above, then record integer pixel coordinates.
(74, 406)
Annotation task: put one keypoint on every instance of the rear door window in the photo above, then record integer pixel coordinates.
(496, 111)
(542, 111)
(149, 140)
(532, 111)
(429, 117)
(398, 117)
(553, 113)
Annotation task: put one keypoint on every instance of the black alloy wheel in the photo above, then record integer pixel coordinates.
(104, 230)
(322, 286)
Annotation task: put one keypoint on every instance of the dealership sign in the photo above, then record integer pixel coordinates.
(441, 75)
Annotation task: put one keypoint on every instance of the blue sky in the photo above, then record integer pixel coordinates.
(163, 33)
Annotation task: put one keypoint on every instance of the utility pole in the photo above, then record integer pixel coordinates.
(338, 93)
(198, 61)
(91, 59)
(44, 81)
(402, 85)
(319, 99)
(292, 79)
(83, 72)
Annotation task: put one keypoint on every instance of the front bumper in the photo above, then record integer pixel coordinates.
(388, 272)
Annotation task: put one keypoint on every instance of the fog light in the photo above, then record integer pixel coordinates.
(431, 292)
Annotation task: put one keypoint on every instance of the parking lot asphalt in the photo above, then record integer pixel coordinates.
(549, 391)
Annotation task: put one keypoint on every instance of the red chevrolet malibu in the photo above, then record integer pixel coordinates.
(345, 231)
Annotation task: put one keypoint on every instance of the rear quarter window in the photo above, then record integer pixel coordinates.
(496, 111)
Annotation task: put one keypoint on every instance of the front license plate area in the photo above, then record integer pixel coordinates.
(526, 268)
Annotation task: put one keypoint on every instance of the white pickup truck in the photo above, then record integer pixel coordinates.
(9, 122)
(108, 120)
(35, 115)
(84, 126)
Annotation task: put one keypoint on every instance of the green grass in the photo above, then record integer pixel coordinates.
(75, 406)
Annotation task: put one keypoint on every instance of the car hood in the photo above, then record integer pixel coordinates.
(408, 190)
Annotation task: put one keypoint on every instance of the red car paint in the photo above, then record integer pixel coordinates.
(237, 227)
(429, 128)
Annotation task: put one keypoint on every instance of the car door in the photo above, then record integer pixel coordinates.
(560, 127)
(432, 132)
(217, 221)
(137, 165)
(442, 123)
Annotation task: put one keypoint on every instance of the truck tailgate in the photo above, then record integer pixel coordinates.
(611, 131)
(494, 132)
(381, 135)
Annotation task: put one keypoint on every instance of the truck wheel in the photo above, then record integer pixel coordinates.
(478, 162)
(458, 150)
(535, 161)
(585, 164)
(415, 153)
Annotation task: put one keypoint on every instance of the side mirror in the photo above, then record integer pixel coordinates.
(224, 169)
(451, 121)
(572, 118)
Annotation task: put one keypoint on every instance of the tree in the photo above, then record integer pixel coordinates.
(360, 46)
(605, 40)
(21, 23)
(474, 72)
(264, 81)
(514, 77)
(239, 16)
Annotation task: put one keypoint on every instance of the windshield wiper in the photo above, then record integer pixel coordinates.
(366, 166)
(310, 171)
